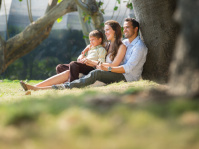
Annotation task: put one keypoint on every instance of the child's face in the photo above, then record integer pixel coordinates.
(94, 41)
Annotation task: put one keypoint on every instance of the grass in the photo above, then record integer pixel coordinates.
(107, 117)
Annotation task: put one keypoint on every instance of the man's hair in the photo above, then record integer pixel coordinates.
(98, 34)
(134, 22)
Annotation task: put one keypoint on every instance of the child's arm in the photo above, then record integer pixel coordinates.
(83, 53)
(86, 50)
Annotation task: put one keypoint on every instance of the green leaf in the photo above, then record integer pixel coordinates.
(122, 29)
(20, 0)
(59, 1)
(102, 10)
(87, 18)
(130, 6)
(99, 3)
(118, 1)
(59, 19)
(115, 8)
(102, 24)
(85, 37)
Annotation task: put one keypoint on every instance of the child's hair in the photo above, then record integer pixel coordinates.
(98, 34)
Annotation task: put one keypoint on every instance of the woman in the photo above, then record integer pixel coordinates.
(115, 53)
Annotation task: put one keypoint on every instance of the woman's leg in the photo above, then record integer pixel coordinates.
(31, 87)
(56, 79)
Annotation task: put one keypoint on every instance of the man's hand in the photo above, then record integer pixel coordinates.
(102, 67)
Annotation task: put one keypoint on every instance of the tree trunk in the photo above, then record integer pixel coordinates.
(185, 65)
(86, 27)
(89, 7)
(159, 32)
(0, 4)
(34, 34)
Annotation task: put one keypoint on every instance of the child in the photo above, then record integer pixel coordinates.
(94, 55)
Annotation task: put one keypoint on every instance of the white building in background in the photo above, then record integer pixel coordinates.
(17, 14)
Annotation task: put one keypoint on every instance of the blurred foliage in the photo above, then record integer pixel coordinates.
(62, 46)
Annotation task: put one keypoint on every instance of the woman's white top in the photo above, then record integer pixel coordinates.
(108, 60)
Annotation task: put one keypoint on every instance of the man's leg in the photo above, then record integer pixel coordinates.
(96, 75)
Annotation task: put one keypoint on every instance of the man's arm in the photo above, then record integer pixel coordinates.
(137, 55)
(116, 69)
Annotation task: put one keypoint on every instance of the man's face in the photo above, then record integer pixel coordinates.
(128, 31)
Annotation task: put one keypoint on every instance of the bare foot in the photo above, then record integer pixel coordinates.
(28, 87)
(31, 87)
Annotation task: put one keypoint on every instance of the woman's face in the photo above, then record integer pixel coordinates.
(109, 32)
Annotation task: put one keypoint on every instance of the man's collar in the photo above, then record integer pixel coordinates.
(135, 41)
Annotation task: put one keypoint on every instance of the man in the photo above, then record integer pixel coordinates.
(131, 69)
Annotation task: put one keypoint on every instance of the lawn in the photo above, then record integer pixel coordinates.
(117, 116)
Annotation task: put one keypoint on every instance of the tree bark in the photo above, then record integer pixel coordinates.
(0, 4)
(35, 33)
(184, 79)
(158, 31)
(2, 44)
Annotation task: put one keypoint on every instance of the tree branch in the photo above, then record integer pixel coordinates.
(6, 21)
(37, 31)
(29, 11)
(83, 6)
(51, 4)
(41, 24)
(2, 41)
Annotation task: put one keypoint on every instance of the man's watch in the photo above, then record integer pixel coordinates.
(109, 68)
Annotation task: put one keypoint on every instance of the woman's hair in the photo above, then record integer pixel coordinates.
(98, 34)
(118, 36)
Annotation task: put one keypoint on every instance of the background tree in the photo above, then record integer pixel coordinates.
(39, 30)
(184, 78)
(159, 32)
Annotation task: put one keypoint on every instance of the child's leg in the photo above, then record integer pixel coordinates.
(76, 68)
(61, 68)
(56, 79)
